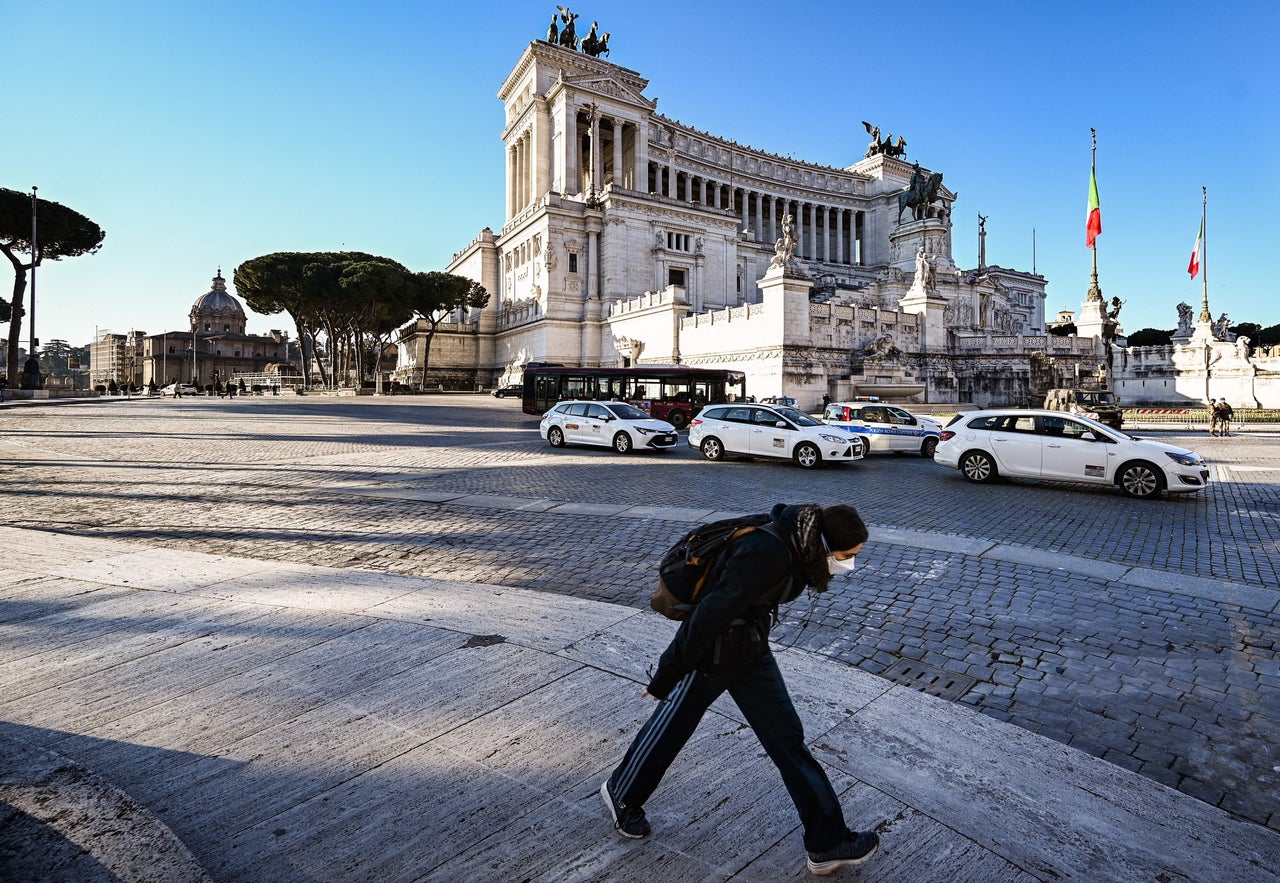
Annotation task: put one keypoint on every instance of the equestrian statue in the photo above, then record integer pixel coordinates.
(919, 194)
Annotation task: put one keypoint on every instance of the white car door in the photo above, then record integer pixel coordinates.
(1067, 455)
(595, 426)
(574, 421)
(876, 429)
(904, 430)
(734, 430)
(767, 438)
(1015, 443)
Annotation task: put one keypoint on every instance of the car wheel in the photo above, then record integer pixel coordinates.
(928, 446)
(712, 449)
(1140, 479)
(676, 419)
(556, 437)
(977, 466)
(622, 443)
(499, 395)
(808, 456)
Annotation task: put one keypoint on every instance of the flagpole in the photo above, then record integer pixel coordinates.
(1205, 315)
(1095, 291)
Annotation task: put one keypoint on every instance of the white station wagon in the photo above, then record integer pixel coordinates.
(1054, 446)
(617, 425)
(770, 431)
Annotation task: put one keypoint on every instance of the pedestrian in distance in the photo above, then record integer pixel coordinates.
(722, 646)
(1223, 410)
(1213, 417)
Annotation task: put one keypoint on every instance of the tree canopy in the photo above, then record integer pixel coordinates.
(60, 233)
(351, 300)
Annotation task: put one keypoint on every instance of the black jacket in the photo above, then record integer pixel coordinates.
(756, 572)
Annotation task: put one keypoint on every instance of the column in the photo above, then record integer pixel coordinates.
(511, 181)
(744, 209)
(671, 175)
(641, 158)
(812, 250)
(519, 174)
(702, 191)
(572, 146)
(800, 229)
(773, 219)
(839, 236)
(596, 155)
(619, 179)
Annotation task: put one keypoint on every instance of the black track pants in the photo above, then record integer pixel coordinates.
(762, 696)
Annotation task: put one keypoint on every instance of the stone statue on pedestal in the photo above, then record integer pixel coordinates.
(1184, 320)
(785, 248)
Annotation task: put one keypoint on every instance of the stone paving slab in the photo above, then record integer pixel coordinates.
(300, 744)
(1266, 598)
(115, 838)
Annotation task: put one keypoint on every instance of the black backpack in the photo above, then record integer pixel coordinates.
(686, 566)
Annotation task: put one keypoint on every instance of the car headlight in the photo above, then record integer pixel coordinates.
(836, 439)
(644, 430)
(1188, 459)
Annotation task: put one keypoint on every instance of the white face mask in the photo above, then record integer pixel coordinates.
(835, 566)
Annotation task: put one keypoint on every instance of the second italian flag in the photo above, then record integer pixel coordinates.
(1094, 224)
(1194, 267)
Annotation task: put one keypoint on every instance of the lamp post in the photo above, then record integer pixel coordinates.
(35, 261)
(31, 370)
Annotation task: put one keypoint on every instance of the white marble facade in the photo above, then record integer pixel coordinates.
(630, 236)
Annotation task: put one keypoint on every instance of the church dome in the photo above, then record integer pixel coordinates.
(216, 311)
(217, 303)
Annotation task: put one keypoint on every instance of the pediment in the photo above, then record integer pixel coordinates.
(607, 86)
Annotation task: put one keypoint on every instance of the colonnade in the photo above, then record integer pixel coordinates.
(827, 233)
(521, 168)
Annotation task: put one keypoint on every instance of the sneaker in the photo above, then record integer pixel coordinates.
(854, 851)
(629, 821)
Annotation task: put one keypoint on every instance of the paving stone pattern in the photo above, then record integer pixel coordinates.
(1181, 689)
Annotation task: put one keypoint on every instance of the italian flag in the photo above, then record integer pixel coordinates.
(1194, 267)
(1094, 224)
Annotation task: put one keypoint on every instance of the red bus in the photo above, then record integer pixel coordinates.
(673, 394)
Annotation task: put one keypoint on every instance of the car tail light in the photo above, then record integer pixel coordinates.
(948, 435)
(695, 421)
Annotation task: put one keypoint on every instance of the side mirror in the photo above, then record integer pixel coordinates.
(1088, 435)
(781, 424)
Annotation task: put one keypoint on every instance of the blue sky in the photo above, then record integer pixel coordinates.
(201, 135)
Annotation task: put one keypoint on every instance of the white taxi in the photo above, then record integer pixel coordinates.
(770, 431)
(618, 425)
(1054, 446)
(885, 427)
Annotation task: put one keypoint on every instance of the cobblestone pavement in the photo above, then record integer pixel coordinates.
(1181, 686)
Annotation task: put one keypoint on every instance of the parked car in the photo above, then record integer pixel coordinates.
(770, 431)
(511, 389)
(885, 427)
(618, 425)
(186, 389)
(1055, 446)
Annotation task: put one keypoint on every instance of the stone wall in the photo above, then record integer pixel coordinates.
(1194, 372)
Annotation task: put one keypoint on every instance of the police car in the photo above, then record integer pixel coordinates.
(885, 427)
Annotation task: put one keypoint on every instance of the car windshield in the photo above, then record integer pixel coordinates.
(1096, 398)
(799, 418)
(627, 412)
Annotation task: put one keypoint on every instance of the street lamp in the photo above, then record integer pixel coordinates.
(31, 371)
